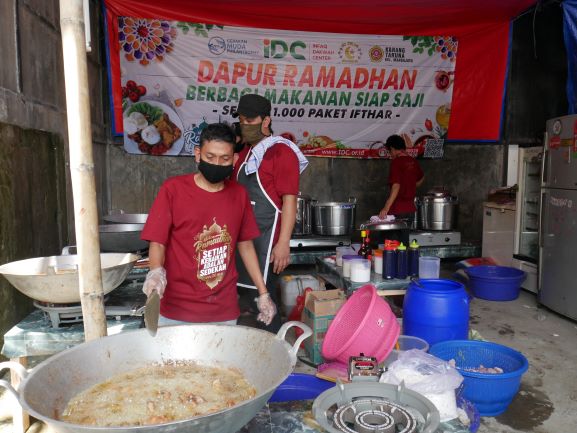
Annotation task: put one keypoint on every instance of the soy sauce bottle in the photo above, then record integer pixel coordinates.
(402, 262)
(414, 253)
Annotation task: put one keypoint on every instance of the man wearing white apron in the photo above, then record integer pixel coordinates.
(269, 168)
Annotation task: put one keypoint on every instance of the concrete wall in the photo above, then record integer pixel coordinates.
(35, 194)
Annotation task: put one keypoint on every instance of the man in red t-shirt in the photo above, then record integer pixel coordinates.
(405, 175)
(196, 224)
(269, 168)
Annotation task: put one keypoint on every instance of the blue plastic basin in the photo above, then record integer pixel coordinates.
(491, 393)
(495, 283)
(300, 386)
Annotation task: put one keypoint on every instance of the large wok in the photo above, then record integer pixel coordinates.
(265, 360)
(55, 279)
(121, 238)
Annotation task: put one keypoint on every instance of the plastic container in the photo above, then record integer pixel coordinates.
(300, 386)
(490, 393)
(402, 262)
(378, 261)
(292, 286)
(390, 262)
(414, 253)
(495, 283)
(436, 310)
(429, 267)
(347, 264)
(404, 343)
(364, 324)
(343, 251)
(361, 271)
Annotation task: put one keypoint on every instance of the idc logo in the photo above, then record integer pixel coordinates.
(278, 49)
(217, 45)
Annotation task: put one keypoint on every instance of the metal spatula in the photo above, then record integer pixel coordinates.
(151, 313)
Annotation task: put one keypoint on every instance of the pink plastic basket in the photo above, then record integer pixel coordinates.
(364, 324)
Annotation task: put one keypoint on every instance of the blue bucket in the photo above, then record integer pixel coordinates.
(299, 386)
(491, 393)
(436, 310)
(495, 283)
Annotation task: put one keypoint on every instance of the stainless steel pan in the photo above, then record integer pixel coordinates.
(126, 218)
(265, 360)
(55, 279)
(121, 238)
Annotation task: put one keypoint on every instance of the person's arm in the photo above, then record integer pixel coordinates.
(280, 255)
(250, 260)
(156, 277)
(420, 181)
(392, 197)
(156, 254)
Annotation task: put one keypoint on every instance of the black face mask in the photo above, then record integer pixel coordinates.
(214, 173)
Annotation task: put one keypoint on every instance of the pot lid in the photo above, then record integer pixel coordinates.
(439, 192)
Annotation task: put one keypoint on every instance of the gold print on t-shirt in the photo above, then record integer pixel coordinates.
(212, 253)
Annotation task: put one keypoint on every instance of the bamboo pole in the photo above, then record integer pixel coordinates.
(82, 168)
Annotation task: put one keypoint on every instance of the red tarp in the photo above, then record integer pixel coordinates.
(482, 28)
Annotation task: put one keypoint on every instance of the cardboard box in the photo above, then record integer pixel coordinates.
(320, 310)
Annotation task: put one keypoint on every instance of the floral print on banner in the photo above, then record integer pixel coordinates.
(446, 46)
(144, 40)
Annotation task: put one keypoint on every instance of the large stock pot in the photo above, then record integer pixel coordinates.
(334, 218)
(438, 210)
(265, 359)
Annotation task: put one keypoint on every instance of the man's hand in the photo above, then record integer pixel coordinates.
(266, 308)
(155, 280)
(383, 213)
(280, 256)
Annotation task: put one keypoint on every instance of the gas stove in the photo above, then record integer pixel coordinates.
(373, 407)
(435, 238)
(316, 241)
(125, 300)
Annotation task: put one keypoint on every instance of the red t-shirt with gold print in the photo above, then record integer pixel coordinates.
(200, 230)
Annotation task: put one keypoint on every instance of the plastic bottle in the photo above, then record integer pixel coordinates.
(402, 262)
(414, 253)
(390, 262)
(378, 261)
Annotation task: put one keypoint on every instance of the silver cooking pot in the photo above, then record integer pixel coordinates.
(437, 210)
(303, 223)
(121, 238)
(55, 279)
(264, 359)
(334, 218)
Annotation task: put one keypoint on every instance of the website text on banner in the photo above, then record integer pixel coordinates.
(334, 95)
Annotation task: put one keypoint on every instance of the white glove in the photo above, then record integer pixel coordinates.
(266, 307)
(155, 280)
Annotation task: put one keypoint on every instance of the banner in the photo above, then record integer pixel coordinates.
(334, 95)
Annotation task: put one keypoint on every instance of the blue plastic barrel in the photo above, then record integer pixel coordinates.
(436, 310)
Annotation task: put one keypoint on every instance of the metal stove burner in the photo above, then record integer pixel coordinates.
(372, 407)
(126, 300)
(374, 416)
(314, 241)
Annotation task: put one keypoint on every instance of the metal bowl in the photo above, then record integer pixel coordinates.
(126, 218)
(55, 279)
(121, 238)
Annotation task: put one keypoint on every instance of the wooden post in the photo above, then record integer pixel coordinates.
(82, 168)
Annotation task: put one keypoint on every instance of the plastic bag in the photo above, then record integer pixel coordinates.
(423, 373)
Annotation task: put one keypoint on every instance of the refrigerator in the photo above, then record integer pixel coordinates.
(526, 246)
(558, 217)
